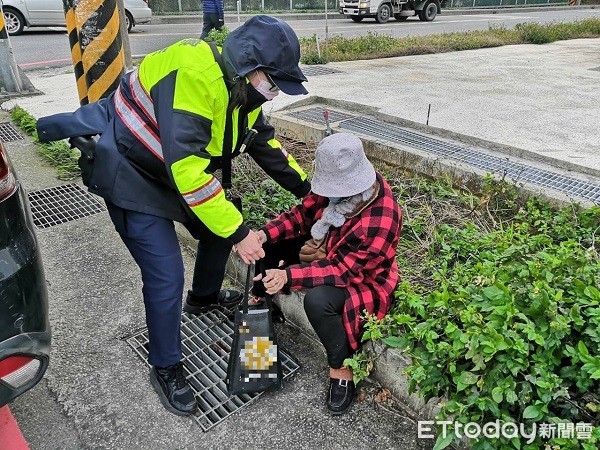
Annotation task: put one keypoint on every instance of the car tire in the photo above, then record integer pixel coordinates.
(383, 13)
(356, 19)
(429, 12)
(128, 21)
(14, 21)
(400, 18)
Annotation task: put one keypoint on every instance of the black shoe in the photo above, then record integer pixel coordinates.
(173, 389)
(341, 395)
(227, 298)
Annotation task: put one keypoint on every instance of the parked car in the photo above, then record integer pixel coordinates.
(24, 325)
(19, 14)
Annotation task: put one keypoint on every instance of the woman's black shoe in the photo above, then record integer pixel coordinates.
(227, 298)
(341, 395)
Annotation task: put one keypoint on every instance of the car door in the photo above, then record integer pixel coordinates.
(46, 12)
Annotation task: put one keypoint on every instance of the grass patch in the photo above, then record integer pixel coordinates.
(58, 153)
(375, 46)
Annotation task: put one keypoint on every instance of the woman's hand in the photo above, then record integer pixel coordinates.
(262, 237)
(274, 280)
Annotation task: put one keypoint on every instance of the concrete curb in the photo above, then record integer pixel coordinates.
(424, 163)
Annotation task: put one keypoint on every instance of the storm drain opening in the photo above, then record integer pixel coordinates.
(519, 171)
(314, 71)
(206, 342)
(8, 133)
(315, 115)
(61, 204)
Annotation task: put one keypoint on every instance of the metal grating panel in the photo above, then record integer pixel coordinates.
(522, 172)
(314, 71)
(206, 341)
(8, 133)
(61, 204)
(315, 115)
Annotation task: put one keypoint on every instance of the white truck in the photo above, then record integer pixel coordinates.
(383, 10)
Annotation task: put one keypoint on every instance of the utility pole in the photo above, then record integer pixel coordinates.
(13, 81)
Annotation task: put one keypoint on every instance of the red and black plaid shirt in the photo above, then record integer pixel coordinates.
(361, 255)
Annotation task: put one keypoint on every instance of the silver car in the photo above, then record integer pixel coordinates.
(19, 14)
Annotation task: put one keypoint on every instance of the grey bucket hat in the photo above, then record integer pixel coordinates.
(341, 167)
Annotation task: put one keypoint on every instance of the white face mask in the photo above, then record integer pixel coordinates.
(266, 88)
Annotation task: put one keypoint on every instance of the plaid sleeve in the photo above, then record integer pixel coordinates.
(369, 244)
(296, 221)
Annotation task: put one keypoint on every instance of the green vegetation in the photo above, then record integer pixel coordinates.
(374, 46)
(57, 153)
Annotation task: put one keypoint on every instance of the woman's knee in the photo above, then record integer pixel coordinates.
(316, 304)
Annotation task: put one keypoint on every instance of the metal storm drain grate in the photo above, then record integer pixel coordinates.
(314, 71)
(315, 115)
(522, 172)
(8, 133)
(206, 341)
(61, 204)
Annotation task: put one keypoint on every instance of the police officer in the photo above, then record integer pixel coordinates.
(184, 113)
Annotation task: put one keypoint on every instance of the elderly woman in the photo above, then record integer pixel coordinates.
(344, 236)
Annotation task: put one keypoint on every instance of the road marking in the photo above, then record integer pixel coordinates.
(10, 434)
(50, 61)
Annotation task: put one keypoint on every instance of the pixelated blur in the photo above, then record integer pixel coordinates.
(257, 357)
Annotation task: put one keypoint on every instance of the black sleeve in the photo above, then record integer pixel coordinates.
(275, 161)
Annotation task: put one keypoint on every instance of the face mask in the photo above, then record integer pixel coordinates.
(267, 90)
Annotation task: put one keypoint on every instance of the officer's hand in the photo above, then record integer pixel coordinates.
(250, 248)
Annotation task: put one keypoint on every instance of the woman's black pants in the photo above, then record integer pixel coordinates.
(323, 304)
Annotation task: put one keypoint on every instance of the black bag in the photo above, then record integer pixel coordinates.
(87, 147)
(254, 362)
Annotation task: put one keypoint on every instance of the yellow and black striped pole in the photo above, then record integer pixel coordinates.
(75, 51)
(101, 46)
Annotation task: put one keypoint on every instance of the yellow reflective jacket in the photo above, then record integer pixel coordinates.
(187, 113)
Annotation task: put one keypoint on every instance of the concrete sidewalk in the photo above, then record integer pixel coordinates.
(543, 102)
(540, 99)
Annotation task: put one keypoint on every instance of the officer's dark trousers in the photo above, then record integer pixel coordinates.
(211, 261)
(153, 243)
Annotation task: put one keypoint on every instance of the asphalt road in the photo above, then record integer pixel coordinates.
(42, 47)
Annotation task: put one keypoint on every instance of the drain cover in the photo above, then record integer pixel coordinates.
(315, 115)
(8, 133)
(206, 341)
(521, 172)
(313, 71)
(61, 204)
